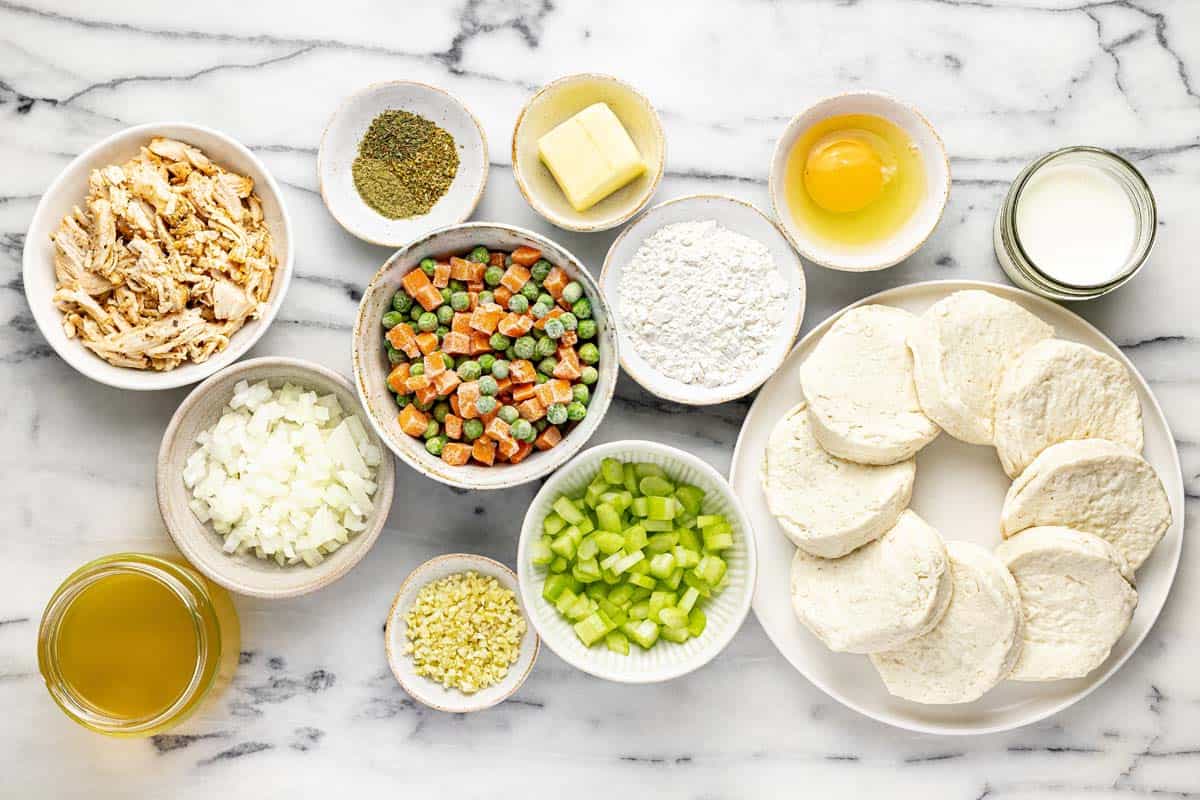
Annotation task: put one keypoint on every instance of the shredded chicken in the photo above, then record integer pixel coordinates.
(169, 258)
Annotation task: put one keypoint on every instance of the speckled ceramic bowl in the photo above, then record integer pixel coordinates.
(371, 365)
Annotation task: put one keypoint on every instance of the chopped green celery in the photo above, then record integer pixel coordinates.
(690, 497)
(567, 509)
(540, 553)
(574, 532)
(586, 570)
(609, 561)
(683, 519)
(642, 581)
(696, 622)
(588, 548)
(581, 608)
(625, 562)
(662, 542)
(629, 478)
(645, 470)
(689, 538)
(639, 507)
(654, 486)
(640, 593)
(658, 525)
(676, 635)
(586, 525)
(672, 582)
(608, 623)
(644, 633)
(621, 595)
(618, 500)
(639, 610)
(662, 565)
(575, 585)
(554, 586)
(610, 542)
(553, 523)
(596, 591)
(613, 611)
(591, 629)
(704, 520)
(685, 557)
(610, 470)
(563, 546)
(608, 518)
(566, 599)
(710, 569)
(688, 600)
(609, 577)
(617, 642)
(717, 541)
(673, 617)
(697, 583)
(642, 567)
(592, 495)
(661, 508)
(659, 601)
(559, 564)
(635, 537)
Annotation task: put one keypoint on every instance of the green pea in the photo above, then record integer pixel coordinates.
(460, 301)
(402, 400)
(472, 429)
(428, 265)
(540, 269)
(541, 424)
(486, 297)
(500, 369)
(518, 304)
(441, 332)
(440, 410)
(446, 294)
(427, 322)
(415, 312)
(423, 405)
(395, 356)
(401, 301)
(509, 414)
(457, 286)
(530, 291)
(546, 366)
(545, 347)
(488, 385)
(589, 353)
(576, 411)
(580, 393)
(521, 429)
(539, 310)
(485, 404)
(432, 429)
(448, 360)
(572, 291)
(545, 300)
(589, 375)
(469, 370)
(499, 341)
(582, 308)
(391, 319)
(417, 369)
(479, 255)
(540, 379)
(511, 354)
(492, 276)
(524, 347)
(445, 314)
(554, 329)
(569, 321)
(486, 362)
(556, 413)
(586, 329)
(435, 445)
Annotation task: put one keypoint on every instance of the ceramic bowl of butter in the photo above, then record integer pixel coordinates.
(588, 152)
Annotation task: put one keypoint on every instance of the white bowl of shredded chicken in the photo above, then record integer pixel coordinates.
(158, 256)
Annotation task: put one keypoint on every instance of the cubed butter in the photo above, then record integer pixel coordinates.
(591, 156)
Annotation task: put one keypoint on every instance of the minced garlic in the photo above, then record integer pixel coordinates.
(464, 631)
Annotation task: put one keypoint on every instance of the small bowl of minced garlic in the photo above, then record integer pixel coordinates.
(457, 637)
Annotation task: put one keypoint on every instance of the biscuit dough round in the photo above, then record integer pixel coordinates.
(960, 347)
(1058, 391)
(858, 382)
(1077, 598)
(826, 505)
(973, 647)
(878, 597)
(1096, 486)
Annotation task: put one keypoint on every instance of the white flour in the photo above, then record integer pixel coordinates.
(700, 303)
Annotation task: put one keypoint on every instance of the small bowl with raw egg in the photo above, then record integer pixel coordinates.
(859, 181)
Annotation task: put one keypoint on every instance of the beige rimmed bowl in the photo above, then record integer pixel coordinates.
(914, 233)
(557, 102)
(339, 148)
(740, 217)
(371, 366)
(70, 188)
(199, 543)
(430, 692)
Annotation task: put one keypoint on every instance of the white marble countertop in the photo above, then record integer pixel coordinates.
(313, 708)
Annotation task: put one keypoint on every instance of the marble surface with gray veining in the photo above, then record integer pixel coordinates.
(314, 710)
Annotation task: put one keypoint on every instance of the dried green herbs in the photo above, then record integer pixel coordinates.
(405, 164)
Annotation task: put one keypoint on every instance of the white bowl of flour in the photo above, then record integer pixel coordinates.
(709, 296)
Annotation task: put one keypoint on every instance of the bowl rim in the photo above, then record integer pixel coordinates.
(665, 393)
(372, 88)
(97, 369)
(359, 545)
(775, 181)
(466, 559)
(531, 526)
(538, 206)
(363, 327)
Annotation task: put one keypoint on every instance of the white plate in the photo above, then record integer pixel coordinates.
(725, 611)
(739, 217)
(339, 148)
(960, 489)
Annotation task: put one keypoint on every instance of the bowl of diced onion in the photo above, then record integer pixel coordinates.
(268, 480)
(636, 562)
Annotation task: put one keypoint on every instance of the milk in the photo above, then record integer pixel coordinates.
(1076, 223)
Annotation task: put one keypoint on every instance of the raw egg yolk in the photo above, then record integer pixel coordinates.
(845, 173)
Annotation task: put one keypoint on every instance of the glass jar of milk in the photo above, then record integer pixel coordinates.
(1076, 224)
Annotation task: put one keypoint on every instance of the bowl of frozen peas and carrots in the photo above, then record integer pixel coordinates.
(484, 355)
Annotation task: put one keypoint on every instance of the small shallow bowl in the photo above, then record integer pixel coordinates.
(557, 102)
(430, 692)
(906, 241)
(739, 217)
(339, 148)
(70, 188)
(371, 365)
(247, 574)
(726, 611)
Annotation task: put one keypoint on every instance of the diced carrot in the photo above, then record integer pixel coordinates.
(441, 275)
(555, 281)
(496, 259)
(486, 318)
(480, 343)
(473, 297)
(509, 447)
(522, 371)
(554, 313)
(568, 366)
(515, 325)
(397, 377)
(414, 280)
(491, 415)
(484, 451)
(453, 425)
(532, 409)
(454, 404)
(569, 339)
(403, 338)
(414, 382)
(446, 382)
(476, 287)
(563, 304)
(426, 395)
(427, 342)
(548, 438)
(556, 391)
(526, 256)
(502, 295)
(523, 392)
(503, 385)
(456, 343)
(456, 454)
(515, 277)
(460, 269)
(523, 449)
(461, 323)
(498, 430)
(413, 421)
(468, 392)
(435, 365)
(429, 297)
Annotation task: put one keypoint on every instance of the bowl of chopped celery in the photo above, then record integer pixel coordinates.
(636, 562)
